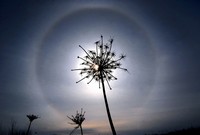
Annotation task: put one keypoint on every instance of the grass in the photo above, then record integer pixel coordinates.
(12, 130)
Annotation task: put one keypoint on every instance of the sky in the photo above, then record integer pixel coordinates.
(39, 45)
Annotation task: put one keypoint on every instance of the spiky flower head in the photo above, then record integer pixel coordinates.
(32, 117)
(78, 119)
(100, 63)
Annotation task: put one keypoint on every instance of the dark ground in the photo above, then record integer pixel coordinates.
(189, 131)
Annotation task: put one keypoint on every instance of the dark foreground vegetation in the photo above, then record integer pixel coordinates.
(189, 131)
(14, 130)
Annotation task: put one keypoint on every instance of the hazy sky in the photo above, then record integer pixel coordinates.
(39, 47)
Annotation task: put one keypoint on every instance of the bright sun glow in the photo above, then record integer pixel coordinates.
(95, 67)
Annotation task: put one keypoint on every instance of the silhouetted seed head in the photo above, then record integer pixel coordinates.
(78, 118)
(100, 62)
(32, 117)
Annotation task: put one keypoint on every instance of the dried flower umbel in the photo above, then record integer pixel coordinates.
(99, 66)
(77, 120)
(100, 63)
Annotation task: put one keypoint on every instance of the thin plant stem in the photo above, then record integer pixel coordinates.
(72, 131)
(107, 107)
(27, 132)
(81, 129)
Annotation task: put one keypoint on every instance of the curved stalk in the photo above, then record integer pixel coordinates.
(72, 131)
(107, 107)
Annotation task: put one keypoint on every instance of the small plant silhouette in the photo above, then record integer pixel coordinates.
(31, 119)
(77, 120)
(99, 66)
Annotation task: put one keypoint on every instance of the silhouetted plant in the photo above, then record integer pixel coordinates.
(31, 119)
(99, 66)
(13, 130)
(13, 127)
(77, 120)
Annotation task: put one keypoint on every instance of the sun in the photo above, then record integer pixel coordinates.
(95, 67)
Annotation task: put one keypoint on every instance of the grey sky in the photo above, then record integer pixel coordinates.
(39, 47)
